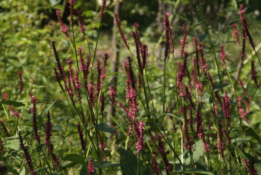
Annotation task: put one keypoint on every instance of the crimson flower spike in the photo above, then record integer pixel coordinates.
(163, 154)
(26, 154)
(197, 84)
(103, 73)
(137, 44)
(91, 93)
(139, 128)
(244, 89)
(82, 28)
(166, 28)
(197, 54)
(63, 27)
(99, 71)
(245, 26)
(113, 95)
(135, 26)
(204, 65)
(226, 107)
(144, 55)
(81, 136)
(1, 147)
(250, 167)
(236, 33)
(20, 80)
(221, 146)
(91, 167)
(48, 131)
(72, 3)
(222, 55)
(188, 142)
(155, 166)
(33, 111)
(55, 160)
(118, 23)
(241, 111)
(102, 100)
(183, 41)
(254, 73)
(102, 8)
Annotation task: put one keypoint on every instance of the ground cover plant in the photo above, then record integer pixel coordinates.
(196, 113)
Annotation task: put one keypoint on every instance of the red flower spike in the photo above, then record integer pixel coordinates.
(118, 23)
(254, 73)
(183, 41)
(222, 55)
(63, 27)
(72, 3)
(236, 33)
(26, 154)
(82, 28)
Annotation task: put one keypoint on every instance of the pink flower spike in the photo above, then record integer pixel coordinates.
(254, 73)
(222, 55)
(118, 23)
(113, 95)
(72, 3)
(226, 107)
(82, 28)
(20, 80)
(63, 27)
(236, 33)
(91, 167)
(183, 41)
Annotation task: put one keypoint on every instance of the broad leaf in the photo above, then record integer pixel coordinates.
(75, 158)
(104, 127)
(128, 162)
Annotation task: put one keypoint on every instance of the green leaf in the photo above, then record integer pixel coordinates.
(105, 128)
(23, 172)
(241, 140)
(220, 86)
(40, 147)
(75, 158)
(13, 103)
(197, 153)
(13, 144)
(199, 150)
(198, 172)
(128, 162)
(170, 114)
(48, 108)
(57, 128)
(251, 132)
(54, 2)
(202, 37)
(105, 165)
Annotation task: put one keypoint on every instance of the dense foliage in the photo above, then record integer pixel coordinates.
(185, 98)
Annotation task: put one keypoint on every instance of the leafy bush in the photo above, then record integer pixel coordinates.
(195, 113)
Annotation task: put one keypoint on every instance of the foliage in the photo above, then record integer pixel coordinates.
(172, 115)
